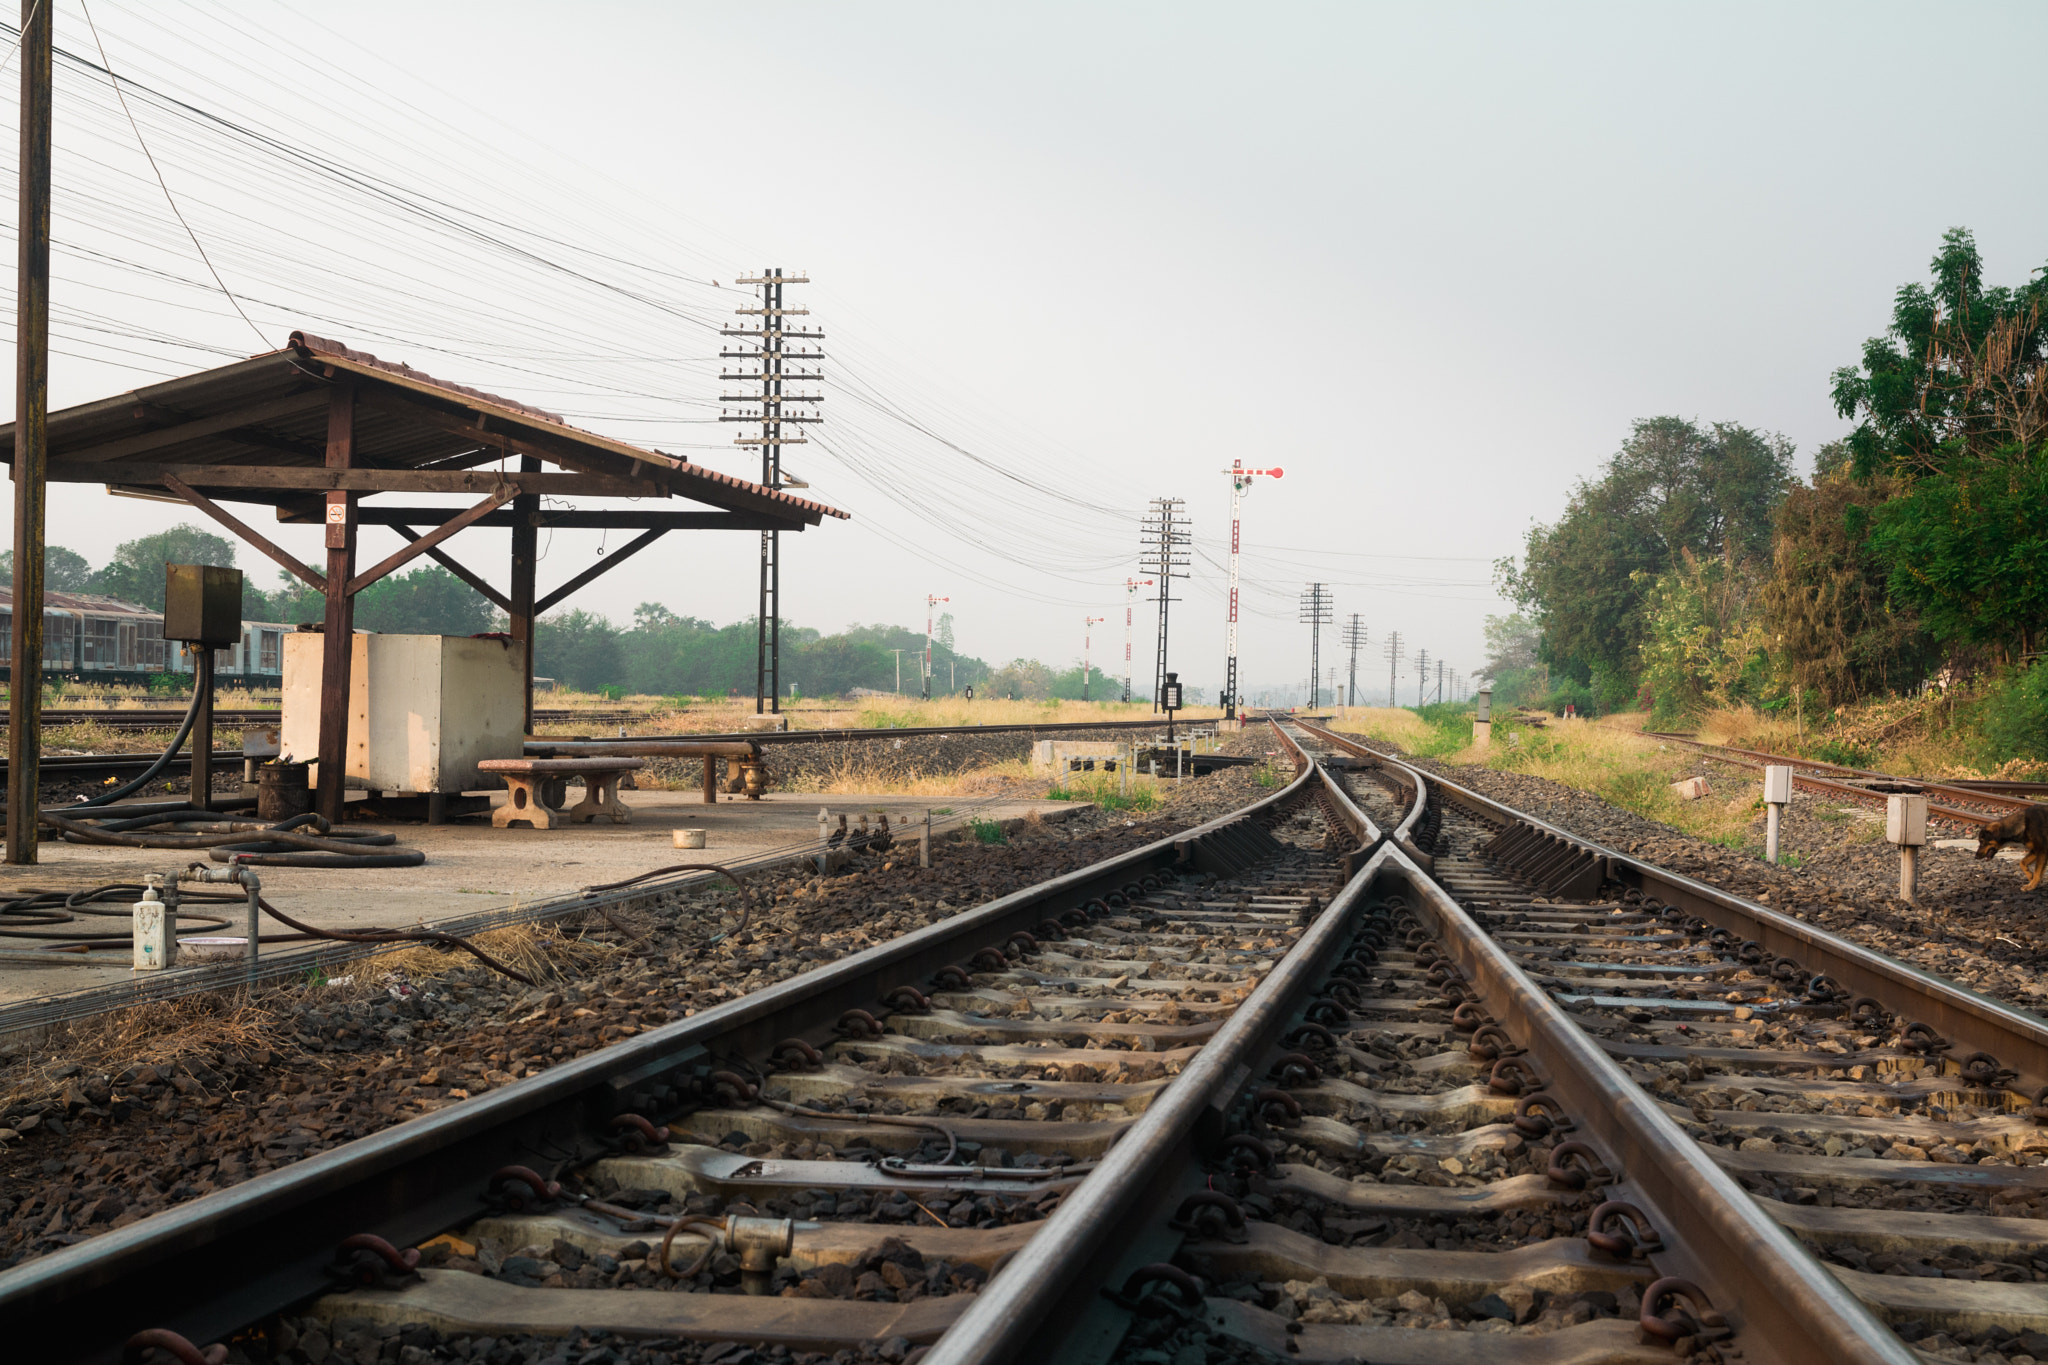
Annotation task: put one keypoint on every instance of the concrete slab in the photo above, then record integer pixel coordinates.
(472, 867)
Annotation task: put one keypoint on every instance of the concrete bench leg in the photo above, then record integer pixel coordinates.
(601, 797)
(524, 805)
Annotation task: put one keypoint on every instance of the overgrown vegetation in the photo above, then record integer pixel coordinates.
(1107, 791)
(1695, 575)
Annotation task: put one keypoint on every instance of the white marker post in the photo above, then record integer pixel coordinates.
(1905, 824)
(1777, 792)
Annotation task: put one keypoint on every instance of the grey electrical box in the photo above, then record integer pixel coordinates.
(1485, 704)
(203, 604)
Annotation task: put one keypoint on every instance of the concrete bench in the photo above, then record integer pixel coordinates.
(536, 788)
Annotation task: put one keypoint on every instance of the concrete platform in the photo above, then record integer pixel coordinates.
(472, 867)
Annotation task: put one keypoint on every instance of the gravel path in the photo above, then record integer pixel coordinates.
(1973, 924)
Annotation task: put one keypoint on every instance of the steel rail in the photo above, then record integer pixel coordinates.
(1736, 756)
(1971, 1022)
(209, 1266)
(1045, 1304)
(1785, 1304)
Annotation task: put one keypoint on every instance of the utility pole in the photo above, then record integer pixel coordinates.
(1315, 612)
(1439, 679)
(1393, 648)
(1131, 586)
(31, 435)
(929, 603)
(1165, 538)
(899, 670)
(1240, 481)
(775, 361)
(1087, 635)
(1421, 674)
(1354, 637)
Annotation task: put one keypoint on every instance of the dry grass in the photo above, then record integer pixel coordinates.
(852, 776)
(166, 1034)
(192, 1031)
(1387, 724)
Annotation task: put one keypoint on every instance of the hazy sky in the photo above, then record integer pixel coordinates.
(1431, 260)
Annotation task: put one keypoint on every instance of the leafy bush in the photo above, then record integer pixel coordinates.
(1844, 753)
(2013, 718)
(167, 684)
(987, 831)
(1570, 693)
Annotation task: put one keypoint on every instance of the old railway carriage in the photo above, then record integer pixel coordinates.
(90, 637)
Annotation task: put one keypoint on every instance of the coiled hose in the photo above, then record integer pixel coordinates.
(269, 845)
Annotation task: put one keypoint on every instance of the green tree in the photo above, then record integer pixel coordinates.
(136, 572)
(1951, 405)
(427, 601)
(1958, 375)
(1673, 488)
(579, 649)
(1828, 605)
(63, 570)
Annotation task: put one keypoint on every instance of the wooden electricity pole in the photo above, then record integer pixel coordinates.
(31, 437)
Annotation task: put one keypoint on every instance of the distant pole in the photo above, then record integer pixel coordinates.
(1165, 538)
(1240, 480)
(1354, 637)
(1088, 622)
(1131, 586)
(31, 436)
(929, 603)
(773, 356)
(1421, 674)
(1315, 613)
(899, 670)
(1393, 647)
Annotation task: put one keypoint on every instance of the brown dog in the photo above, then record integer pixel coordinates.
(2029, 826)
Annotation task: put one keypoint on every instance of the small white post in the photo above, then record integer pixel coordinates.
(1124, 771)
(1905, 824)
(1777, 792)
(924, 840)
(824, 836)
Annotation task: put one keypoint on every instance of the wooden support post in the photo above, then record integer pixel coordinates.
(710, 780)
(525, 561)
(31, 436)
(337, 646)
(202, 726)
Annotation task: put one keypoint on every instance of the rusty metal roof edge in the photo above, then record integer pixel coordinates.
(361, 362)
(305, 346)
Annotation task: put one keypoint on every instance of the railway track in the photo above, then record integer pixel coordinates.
(1964, 803)
(1375, 1069)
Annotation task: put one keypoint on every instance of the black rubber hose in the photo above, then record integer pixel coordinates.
(163, 761)
(87, 832)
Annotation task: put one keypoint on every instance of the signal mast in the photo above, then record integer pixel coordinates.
(1131, 586)
(1240, 481)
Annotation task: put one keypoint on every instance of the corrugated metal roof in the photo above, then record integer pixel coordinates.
(270, 411)
(80, 601)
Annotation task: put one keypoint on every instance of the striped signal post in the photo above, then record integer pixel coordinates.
(1240, 481)
(1087, 638)
(1131, 586)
